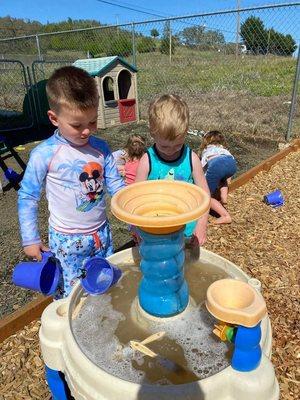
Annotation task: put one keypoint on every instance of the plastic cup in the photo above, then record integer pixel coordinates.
(274, 199)
(100, 275)
(41, 276)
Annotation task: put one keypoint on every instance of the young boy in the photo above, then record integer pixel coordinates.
(75, 168)
(170, 158)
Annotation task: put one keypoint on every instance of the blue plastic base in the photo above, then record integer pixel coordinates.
(57, 385)
(247, 352)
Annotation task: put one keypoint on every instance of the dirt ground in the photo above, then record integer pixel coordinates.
(263, 241)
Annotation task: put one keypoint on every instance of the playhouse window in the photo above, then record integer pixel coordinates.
(124, 85)
(108, 89)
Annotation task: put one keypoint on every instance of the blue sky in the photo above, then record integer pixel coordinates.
(57, 10)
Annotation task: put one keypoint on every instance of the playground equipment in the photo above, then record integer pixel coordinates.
(13, 178)
(90, 348)
(23, 110)
(117, 84)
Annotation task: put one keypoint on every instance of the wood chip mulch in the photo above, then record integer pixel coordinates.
(264, 242)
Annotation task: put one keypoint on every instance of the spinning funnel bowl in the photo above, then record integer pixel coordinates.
(160, 207)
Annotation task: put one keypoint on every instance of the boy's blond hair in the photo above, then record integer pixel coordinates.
(168, 117)
(72, 87)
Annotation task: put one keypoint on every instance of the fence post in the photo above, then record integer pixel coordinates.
(238, 28)
(133, 45)
(170, 42)
(294, 98)
(38, 46)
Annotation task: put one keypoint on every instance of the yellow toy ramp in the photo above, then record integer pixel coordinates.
(235, 302)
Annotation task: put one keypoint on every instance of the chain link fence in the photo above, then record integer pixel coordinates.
(23, 100)
(237, 69)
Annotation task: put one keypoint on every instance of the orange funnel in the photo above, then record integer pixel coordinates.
(235, 302)
(160, 206)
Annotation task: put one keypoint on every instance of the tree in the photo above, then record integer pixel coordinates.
(145, 44)
(192, 36)
(154, 33)
(254, 35)
(261, 41)
(213, 39)
(197, 36)
(165, 41)
(119, 46)
(280, 44)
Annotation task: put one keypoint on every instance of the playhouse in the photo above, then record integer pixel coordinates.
(117, 85)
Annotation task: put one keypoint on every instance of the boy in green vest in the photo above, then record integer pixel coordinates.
(170, 158)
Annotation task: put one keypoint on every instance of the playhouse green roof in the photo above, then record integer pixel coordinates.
(96, 66)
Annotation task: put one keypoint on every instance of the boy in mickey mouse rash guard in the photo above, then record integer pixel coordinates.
(75, 168)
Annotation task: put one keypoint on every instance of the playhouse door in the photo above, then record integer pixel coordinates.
(127, 110)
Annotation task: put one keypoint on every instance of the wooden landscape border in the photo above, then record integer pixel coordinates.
(33, 310)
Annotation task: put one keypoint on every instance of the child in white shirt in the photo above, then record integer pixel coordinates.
(219, 166)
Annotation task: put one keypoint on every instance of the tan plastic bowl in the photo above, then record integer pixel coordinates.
(235, 302)
(160, 206)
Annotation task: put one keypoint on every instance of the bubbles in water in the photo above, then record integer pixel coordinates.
(104, 327)
(94, 329)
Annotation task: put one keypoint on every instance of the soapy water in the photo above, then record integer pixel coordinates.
(188, 351)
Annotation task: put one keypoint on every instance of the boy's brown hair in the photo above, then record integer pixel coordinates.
(135, 146)
(72, 87)
(168, 117)
(212, 137)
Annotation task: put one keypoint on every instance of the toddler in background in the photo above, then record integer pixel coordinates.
(219, 166)
(128, 159)
(135, 147)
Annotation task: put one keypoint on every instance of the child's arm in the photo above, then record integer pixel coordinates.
(141, 175)
(143, 169)
(113, 180)
(199, 179)
(28, 198)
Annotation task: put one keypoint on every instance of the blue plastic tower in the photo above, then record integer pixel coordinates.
(163, 290)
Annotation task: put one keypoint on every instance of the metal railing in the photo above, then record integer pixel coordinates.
(23, 101)
(237, 69)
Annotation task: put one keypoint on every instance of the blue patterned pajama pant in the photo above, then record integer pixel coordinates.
(73, 250)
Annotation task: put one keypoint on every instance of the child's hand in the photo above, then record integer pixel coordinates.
(135, 236)
(199, 234)
(198, 239)
(121, 170)
(34, 250)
